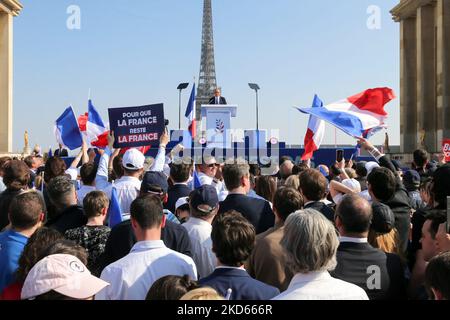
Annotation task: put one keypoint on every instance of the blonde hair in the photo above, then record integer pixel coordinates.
(293, 182)
(388, 242)
(205, 293)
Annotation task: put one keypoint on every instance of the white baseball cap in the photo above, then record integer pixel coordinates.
(352, 184)
(370, 166)
(133, 159)
(63, 273)
(181, 201)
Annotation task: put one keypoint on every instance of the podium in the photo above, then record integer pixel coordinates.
(218, 125)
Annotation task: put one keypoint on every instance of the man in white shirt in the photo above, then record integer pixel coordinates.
(129, 186)
(204, 205)
(206, 173)
(132, 276)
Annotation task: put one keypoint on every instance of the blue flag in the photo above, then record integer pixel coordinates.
(114, 212)
(67, 131)
(197, 183)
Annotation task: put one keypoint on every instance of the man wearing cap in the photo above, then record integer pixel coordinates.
(368, 167)
(182, 209)
(61, 277)
(129, 185)
(156, 183)
(206, 173)
(204, 205)
(133, 161)
(132, 276)
(379, 274)
(411, 180)
(385, 184)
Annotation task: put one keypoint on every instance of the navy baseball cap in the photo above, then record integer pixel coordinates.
(383, 219)
(154, 182)
(205, 196)
(412, 178)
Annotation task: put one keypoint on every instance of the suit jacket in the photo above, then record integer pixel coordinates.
(268, 262)
(122, 239)
(323, 208)
(213, 100)
(242, 285)
(257, 211)
(354, 265)
(174, 193)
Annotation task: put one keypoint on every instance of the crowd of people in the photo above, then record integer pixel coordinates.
(222, 230)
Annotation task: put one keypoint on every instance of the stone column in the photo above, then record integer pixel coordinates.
(408, 83)
(426, 77)
(443, 70)
(6, 81)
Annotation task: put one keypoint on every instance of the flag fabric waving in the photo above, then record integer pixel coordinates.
(114, 212)
(190, 113)
(67, 131)
(314, 134)
(96, 130)
(359, 114)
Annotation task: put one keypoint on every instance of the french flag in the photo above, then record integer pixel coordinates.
(66, 130)
(190, 113)
(96, 130)
(360, 115)
(314, 134)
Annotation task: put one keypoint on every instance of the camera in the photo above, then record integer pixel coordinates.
(166, 122)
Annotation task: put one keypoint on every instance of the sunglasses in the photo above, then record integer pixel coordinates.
(213, 165)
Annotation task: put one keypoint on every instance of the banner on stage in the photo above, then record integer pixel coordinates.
(446, 149)
(137, 126)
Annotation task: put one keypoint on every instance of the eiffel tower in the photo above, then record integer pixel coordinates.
(207, 80)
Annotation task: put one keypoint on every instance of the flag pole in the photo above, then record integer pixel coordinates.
(89, 94)
(335, 137)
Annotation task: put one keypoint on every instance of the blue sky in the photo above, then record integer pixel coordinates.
(136, 52)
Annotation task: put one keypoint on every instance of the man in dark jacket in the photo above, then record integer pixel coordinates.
(379, 274)
(313, 186)
(233, 239)
(62, 195)
(257, 211)
(179, 174)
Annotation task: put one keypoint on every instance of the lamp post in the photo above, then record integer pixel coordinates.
(180, 87)
(255, 87)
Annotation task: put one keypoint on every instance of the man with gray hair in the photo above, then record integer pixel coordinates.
(63, 196)
(311, 242)
(237, 181)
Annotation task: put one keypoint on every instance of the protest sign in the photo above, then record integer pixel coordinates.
(137, 126)
(446, 149)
